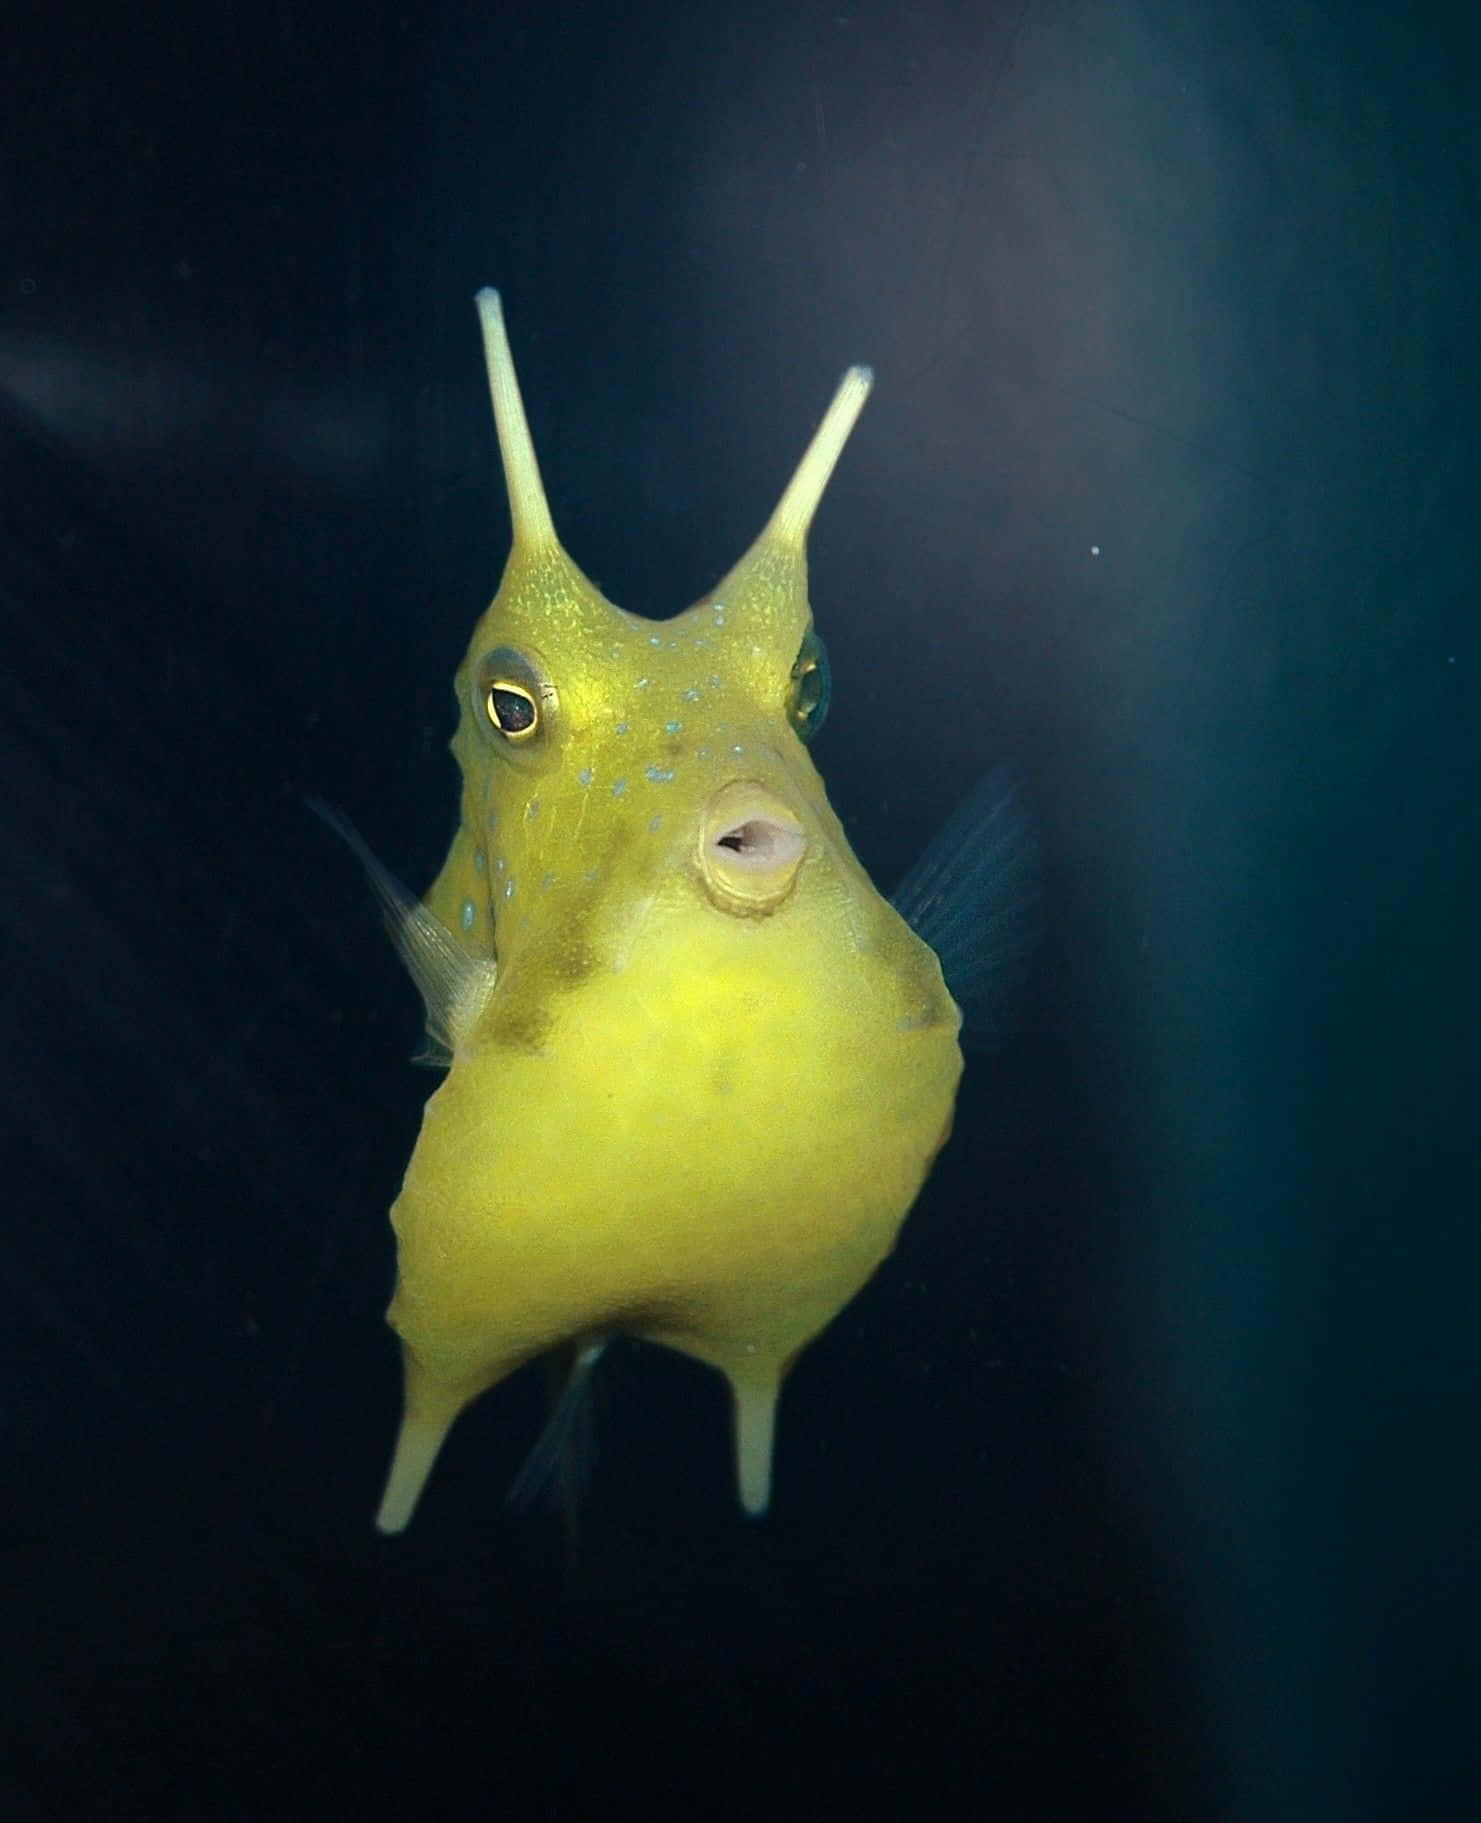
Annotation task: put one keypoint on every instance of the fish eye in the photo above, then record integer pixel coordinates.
(511, 709)
(513, 698)
(809, 688)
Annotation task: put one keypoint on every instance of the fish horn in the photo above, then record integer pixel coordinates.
(528, 507)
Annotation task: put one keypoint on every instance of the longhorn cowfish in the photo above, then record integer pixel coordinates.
(697, 1066)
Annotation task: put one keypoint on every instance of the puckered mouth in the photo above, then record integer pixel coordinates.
(751, 846)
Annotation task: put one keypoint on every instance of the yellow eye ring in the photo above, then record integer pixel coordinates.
(512, 710)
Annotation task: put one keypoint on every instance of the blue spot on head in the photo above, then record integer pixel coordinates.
(692, 694)
(655, 639)
(654, 825)
(584, 775)
(618, 787)
(660, 775)
(622, 728)
(466, 916)
(672, 727)
(480, 860)
(509, 887)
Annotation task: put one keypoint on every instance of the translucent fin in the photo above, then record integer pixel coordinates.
(974, 897)
(755, 1428)
(454, 986)
(794, 511)
(557, 1471)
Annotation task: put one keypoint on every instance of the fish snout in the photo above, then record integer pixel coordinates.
(750, 848)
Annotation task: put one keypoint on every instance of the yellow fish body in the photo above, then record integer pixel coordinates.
(698, 1067)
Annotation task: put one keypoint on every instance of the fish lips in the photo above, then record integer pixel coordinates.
(751, 846)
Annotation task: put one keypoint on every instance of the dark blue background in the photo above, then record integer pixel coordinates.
(1141, 1482)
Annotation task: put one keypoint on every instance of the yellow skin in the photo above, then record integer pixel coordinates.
(699, 1067)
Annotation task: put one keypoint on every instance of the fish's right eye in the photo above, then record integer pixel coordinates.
(514, 700)
(512, 710)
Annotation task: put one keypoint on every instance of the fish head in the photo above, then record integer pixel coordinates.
(616, 767)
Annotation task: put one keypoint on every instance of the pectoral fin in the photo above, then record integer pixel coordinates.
(974, 896)
(454, 985)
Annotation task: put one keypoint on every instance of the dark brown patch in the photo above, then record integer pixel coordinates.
(571, 964)
(521, 1027)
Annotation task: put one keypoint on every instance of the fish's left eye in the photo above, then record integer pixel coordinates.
(511, 709)
(809, 688)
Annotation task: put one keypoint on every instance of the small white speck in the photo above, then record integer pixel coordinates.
(621, 728)
(532, 809)
(642, 683)
(655, 639)
(584, 775)
(691, 695)
(715, 683)
(672, 727)
(498, 864)
(509, 887)
(1095, 550)
(750, 1348)
(737, 750)
(467, 915)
